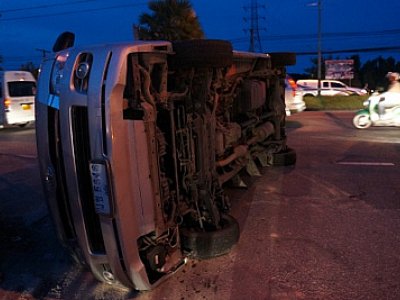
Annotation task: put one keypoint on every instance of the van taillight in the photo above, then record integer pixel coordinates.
(293, 85)
(7, 103)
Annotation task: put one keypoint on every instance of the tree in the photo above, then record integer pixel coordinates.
(357, 63)
(30, 67)
(170, 20)
(373, 72)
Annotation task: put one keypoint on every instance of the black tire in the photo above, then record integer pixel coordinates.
(201, 53)
(281, 59)
(284, 158)
(209, 244)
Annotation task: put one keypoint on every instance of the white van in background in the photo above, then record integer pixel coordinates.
(17, 98)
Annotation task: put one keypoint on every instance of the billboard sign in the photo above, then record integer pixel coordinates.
(339, 69)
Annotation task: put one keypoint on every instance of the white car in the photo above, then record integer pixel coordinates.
(293, 97)
(328, 88)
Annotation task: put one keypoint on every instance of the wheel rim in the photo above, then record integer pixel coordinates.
(362, 121)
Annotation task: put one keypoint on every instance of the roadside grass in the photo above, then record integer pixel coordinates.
(335, 102)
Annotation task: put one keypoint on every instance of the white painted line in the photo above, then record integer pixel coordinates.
(361, 163)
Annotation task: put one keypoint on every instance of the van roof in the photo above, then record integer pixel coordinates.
(17, 75)
(315, 80)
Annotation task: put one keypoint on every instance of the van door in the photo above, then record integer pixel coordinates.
(327, 89)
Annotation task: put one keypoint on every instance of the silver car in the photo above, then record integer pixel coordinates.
(136, 141)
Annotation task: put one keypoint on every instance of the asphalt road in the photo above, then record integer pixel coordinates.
(327, 228)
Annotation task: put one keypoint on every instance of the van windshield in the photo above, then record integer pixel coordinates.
(21, 88)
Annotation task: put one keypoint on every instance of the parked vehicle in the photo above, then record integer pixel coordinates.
(136, 141)
(17, 98)
(293, 97)
(369, 116)
(328, 88)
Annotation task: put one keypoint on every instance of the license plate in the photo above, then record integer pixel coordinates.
(101, 188)
(26, 106)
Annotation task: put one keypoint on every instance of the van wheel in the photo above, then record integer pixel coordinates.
(281, 59)
(208, 244)
(201, 53)
(23, 125)
(286, 157)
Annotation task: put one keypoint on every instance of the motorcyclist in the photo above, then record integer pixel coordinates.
(391, 97)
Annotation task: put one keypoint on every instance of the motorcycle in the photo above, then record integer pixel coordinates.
(369, 116)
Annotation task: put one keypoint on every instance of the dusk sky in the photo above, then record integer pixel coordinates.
(29, 26)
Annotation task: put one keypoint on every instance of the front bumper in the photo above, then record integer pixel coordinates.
(81, 130)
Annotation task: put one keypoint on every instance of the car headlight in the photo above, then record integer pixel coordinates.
(366, 103)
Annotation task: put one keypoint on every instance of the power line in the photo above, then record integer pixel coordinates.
(329, 35)
(358, 50)
(44, 52)
(17, 61)
(338, 35)
(45, 6)
(72, 12)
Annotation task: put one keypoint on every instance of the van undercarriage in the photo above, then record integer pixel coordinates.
(136, 143)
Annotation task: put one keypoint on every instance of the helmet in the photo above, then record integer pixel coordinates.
(393, 75)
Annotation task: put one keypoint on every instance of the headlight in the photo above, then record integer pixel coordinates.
(57, 73)
(366, 103)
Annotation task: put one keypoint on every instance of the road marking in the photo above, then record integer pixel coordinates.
(361, 163)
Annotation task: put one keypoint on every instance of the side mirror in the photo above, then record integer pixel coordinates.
(65, 40)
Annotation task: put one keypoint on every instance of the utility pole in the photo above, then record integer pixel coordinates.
(319, 47)
(254, 30)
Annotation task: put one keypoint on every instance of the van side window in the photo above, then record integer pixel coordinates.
(325, 84)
